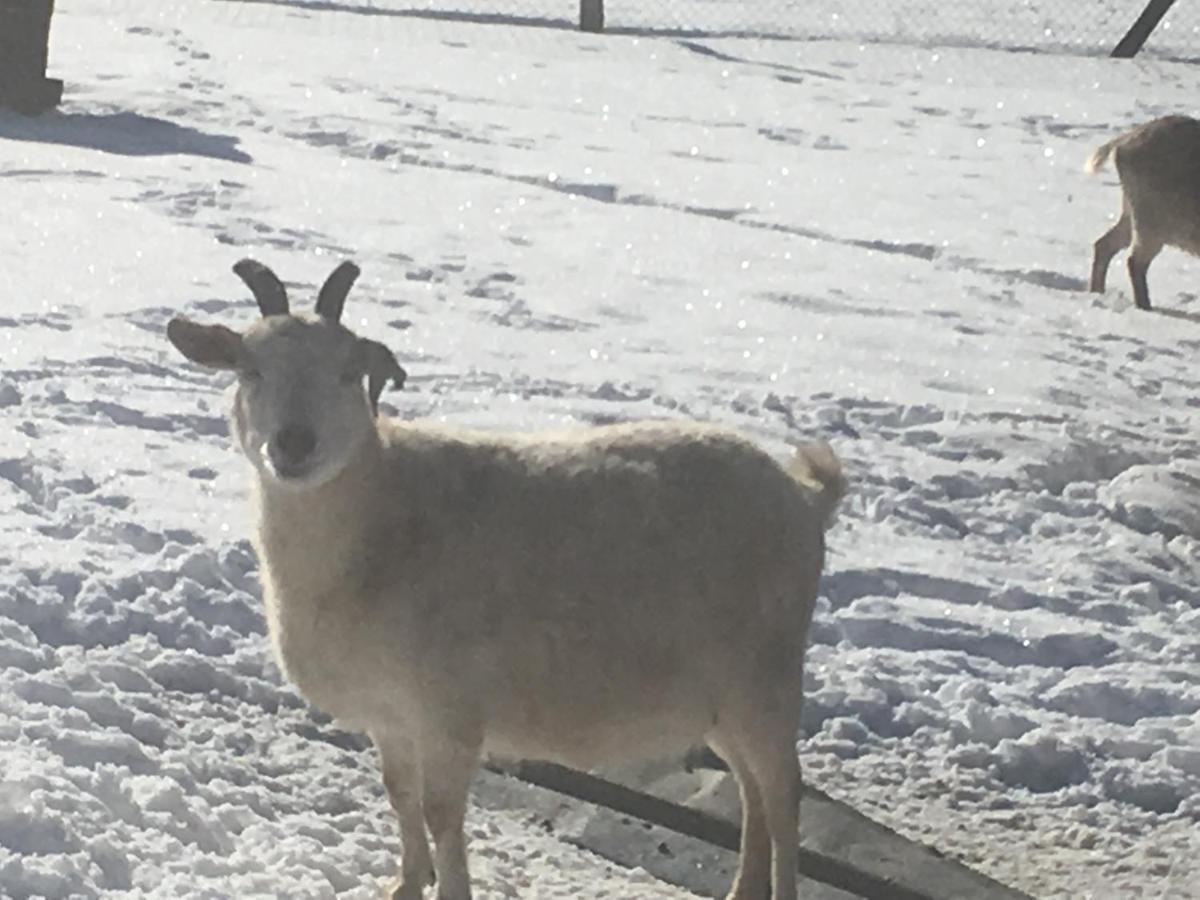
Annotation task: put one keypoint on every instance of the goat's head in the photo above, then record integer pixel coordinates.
(300, 410)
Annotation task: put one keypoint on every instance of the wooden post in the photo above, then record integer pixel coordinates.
(591, 15)
(1142, 29)
(24, 49)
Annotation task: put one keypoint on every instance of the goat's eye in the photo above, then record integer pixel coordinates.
(249, 373)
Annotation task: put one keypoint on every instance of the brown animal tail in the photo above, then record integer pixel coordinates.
(817, 469)
(1100, 155)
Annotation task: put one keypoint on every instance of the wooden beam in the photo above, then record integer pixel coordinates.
(1141, 30)
(698, 824)
(24, 48)
(591, 15)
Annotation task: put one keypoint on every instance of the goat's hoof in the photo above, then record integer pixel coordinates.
(750, 890)
(406, 888)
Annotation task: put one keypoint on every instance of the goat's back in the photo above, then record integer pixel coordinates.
(1159, 166)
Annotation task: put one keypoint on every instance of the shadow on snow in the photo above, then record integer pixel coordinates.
(121, 133)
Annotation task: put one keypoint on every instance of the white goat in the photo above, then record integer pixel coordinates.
(586, 596)
(1159, 166)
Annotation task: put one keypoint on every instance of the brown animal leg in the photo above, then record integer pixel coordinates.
(762, 739)
(1106, 247)
(402, 778)
(1140, 257)
(753, 879)
(447, 765)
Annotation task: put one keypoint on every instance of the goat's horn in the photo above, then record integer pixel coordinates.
(332, 296)
(268, 290)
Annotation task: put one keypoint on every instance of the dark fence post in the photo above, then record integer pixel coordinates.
(1142, 29)
(24, 48)
(591, 15)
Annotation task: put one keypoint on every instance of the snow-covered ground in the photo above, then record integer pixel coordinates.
(881, 245)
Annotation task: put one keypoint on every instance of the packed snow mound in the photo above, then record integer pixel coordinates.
(1157, 499)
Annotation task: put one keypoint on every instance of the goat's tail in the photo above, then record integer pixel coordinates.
(817, 469)
(1100, 155)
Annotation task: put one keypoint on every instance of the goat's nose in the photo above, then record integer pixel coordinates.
(294, 443)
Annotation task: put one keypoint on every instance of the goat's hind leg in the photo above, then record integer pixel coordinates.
(753, 879)
(402, 778)
(761, 733)
(1107, 246)
(1143, 253)
(776, 770)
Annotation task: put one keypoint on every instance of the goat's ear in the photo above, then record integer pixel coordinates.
(381, 368)
(214, 346)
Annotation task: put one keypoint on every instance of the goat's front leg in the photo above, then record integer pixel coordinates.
(448, 762)
(402, 778)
